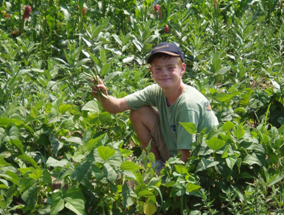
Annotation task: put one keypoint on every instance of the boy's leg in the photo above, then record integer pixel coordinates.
(143, 121)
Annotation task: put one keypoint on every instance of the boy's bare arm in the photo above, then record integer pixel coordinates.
(111, 104)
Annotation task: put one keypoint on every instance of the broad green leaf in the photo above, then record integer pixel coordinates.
(215, 143)
(46, 177)
(177, 190)
(56, 144)
(225, 152)
(239, 132)
(111, 173)
(51, 162)
(231, 161)
(251, 160)
(82, 174)
(3, 162)
(223, 96)
(192, 187)
(26, 183)
(105, 152)
(228, 126)
(149, 207)
(189, 127)
(19, 145)
(126, 194)
(130, 166)
(205, 164)
(30, 195)
(75, 200)
(74, 140)
(29, 160)
(57, 203)
(36, 174)
(91, 106)
(4, 122)
(148, 194)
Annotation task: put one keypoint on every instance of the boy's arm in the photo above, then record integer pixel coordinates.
(111, 104)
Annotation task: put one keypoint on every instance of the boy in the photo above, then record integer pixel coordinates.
(175, 102)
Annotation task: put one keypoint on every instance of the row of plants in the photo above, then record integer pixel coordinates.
(61, 153)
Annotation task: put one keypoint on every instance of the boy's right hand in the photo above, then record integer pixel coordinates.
(100, 86)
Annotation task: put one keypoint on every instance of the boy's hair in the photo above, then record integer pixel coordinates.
(165, 56)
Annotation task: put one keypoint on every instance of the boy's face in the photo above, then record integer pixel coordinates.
(167, 72)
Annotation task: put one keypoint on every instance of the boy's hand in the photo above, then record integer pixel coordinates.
(99, 86)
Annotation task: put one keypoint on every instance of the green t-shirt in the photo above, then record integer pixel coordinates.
(191, 106)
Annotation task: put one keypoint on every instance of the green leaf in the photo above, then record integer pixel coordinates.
(251, 160)
(276, 178)
(51, 162)
(239, 132)
(46, 178)
(192, 187)
(28, 159)
(231, 161)
(82, 174)
(215, 143)
(149, 207)
(228, 126)
(57, 203)
(110, 76)
(3, 162)
(223, 96)
(105, 152)
(75, 200)
(224, 70)
(105, 69)
(189, 127)
(148, 194)
(56, 144)
(26, 183)
(205, 164)
(91, 106)
(177, 190)
(225, 152)
(129, 166)
(4, 122)
(111, 173)
(19, 145)
(30, 195)
(126, 193)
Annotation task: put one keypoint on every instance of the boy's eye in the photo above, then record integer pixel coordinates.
(170, 68)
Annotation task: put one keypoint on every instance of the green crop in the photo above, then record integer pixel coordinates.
(61, 153)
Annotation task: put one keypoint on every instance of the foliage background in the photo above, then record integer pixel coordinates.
(53, 132)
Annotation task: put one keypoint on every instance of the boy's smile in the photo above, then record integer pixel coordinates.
(167, 72)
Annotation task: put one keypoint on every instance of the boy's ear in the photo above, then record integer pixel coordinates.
(183, 68)
(150, 68)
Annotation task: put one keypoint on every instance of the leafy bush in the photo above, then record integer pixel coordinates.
(61, 153)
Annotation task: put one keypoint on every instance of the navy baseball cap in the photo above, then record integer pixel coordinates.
(167, 48)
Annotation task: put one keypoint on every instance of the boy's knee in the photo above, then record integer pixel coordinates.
(143, 112)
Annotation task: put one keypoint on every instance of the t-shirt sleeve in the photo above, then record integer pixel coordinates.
(141, 98)
(185, 139)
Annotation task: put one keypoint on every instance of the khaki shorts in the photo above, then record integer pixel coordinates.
(158, 141)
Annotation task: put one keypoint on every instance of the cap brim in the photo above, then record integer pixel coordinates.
(150, 58)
